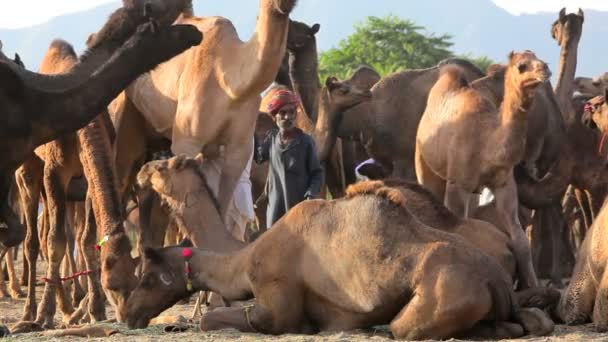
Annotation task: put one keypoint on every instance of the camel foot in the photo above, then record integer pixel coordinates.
(17, 293)
(29, 313)
(537, 297)
(4, 293)
(496, 331)
(26, 327)
(534, 321)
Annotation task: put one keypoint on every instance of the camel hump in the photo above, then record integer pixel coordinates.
(61, 47)
(378, 189)
(451, 77)
(463, 63)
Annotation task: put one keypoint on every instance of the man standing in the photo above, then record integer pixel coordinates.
(295, 173)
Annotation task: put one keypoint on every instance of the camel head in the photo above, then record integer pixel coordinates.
(568, 26)
(163, 11)
(591, 86)
(283, 7)
(343, 95)
(163, 282)
(595, 115)
(300, 35)
(525, 70)
(174, 179)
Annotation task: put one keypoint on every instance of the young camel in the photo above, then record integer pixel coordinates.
(465, 142)
(412, 288)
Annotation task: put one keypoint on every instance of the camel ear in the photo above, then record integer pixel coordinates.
(580, 13)
(562, 13)
(314, 29)
(153, 255)
(18, 60)
(332, 83)
(605, 94)
(511, 54)
(186, 243)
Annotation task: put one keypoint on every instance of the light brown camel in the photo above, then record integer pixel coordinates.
(411, 290)
(466, 142)
(586, 296)
(40, 108)
(211, 93)
(160, 43)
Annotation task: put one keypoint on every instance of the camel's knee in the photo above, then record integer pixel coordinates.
(245, 319)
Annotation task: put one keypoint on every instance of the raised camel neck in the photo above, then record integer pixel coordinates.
(203, 223)
(513, 120)
(225, 274)
(303, 72)
(263, 52)
(325, 133)
(566, 73)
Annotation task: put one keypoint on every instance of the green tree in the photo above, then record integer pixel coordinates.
(388, 45)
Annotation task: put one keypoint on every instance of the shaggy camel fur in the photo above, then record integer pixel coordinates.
(587, 295)
(465, 142)
(39, 108)
(211, 93)
(375, 296)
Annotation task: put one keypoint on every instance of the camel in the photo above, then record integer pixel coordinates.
(210, 94)
(380, 294)
(160, 44)
(41, 108)
(591, 87)
(585, 298)
(596, 114)
(454, 163)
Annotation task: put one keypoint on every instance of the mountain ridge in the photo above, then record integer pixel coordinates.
(467, 22)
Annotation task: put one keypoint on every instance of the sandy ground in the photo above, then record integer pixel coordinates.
(12, 309)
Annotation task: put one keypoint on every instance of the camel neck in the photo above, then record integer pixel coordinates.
(201, 219)
(325, 129)
(303, 72)
(565, 77)
(225, 274)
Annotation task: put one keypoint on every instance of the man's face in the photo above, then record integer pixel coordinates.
(285, 117)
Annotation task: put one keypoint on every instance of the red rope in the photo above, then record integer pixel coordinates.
(72, 277)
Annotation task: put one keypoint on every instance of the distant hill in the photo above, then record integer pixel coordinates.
(478, 27)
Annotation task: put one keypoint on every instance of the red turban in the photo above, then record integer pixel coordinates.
(280, 99)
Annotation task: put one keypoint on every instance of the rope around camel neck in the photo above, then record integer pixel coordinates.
(72, 277)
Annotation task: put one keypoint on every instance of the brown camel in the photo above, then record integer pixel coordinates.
(40, 108)
(415, 301)
(210, 94)
(591, 86)
(453, 162)
(160, 44)
(586, 296)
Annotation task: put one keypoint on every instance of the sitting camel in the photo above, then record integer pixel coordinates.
(586, 298)
(465, 142)
(287, 271)
(591, 86)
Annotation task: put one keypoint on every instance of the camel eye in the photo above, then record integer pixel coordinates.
(522, 67)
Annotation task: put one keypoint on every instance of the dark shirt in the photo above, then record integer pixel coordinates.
(294, 172)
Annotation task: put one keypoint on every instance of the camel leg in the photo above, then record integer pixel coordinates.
(507, 207)
(96, 307)
(555, 218)
(278, 311)
(77, 293)
(600, 308)
(428, 178)
(28, 178)
(576, 304)
(431, 314)
(14, 287)
(3, 290)
(457, 199)
(54, 187)
(24, 276)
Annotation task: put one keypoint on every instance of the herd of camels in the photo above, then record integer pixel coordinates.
(414, 250)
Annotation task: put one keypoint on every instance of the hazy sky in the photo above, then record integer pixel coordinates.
(11, 16)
